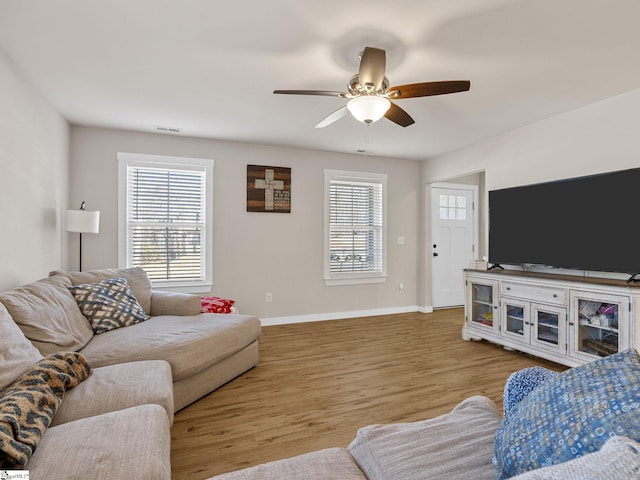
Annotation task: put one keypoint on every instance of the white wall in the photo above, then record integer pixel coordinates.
(597, 138)
(255, 253)
(33, 181)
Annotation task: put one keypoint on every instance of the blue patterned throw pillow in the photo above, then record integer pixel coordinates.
(522, 383)
(108, 304)
(571, 414)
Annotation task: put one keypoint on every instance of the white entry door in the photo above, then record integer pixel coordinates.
(453, 237)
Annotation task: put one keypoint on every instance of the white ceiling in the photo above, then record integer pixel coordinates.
(209, 67)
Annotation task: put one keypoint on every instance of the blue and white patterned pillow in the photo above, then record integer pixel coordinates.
(571, 414)
(108, 304)
(521, 383)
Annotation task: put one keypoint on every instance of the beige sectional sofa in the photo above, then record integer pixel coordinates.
(580, 424)
(116, 423)
(457, 445)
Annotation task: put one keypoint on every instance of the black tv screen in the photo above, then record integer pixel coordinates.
(586, 223)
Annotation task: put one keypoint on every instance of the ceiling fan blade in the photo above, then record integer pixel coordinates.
(427, 89)
(327, 93)
(329, 119)
(372, 67)
(399, 116)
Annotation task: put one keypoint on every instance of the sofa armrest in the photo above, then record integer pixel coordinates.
(170, 303)
(456, 445)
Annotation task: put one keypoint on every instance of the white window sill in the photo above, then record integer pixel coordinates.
(330, 282)
(199, 288)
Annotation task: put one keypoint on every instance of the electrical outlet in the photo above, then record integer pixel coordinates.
(268, 297)
(401, 287)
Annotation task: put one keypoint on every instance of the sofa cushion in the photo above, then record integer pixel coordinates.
(17, 354)
(117, 387)
(456, 445)
(174, 303)
(136, 277)
(133, 444)
(189, 343)
(327, 464)
(108, 304)
(29, 404)
(571, 414)
(619, 458)
(48, 315)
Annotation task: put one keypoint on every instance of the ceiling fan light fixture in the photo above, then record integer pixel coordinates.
(368, 108)
(370, 92)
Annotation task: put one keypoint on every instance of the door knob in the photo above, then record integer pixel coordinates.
(435, 254)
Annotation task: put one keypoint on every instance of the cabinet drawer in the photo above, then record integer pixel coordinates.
(535, 293)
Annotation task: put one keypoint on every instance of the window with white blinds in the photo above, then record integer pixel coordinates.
(355, 227)
(165, 218)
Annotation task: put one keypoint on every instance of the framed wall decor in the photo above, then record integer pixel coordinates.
(268, 189)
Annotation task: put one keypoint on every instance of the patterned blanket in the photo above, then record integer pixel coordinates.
(217, 305)
(28, 405)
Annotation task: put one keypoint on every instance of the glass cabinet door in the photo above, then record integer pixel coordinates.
(482, 304)
(597, 328)
(516, 319)
(549, 327)
(599, 324)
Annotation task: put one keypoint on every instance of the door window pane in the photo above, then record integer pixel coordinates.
(453, 207)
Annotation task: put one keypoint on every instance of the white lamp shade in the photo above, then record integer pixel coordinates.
(83, 221)
(368, 108)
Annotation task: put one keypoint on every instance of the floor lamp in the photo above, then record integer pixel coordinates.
(82, 221)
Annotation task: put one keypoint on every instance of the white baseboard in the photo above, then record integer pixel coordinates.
(319, 317)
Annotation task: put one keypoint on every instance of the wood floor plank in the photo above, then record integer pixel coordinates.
(317, 383)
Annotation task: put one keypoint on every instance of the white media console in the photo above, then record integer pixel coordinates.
(566, 319)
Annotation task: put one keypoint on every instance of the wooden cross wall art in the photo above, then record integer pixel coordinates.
(268, 189)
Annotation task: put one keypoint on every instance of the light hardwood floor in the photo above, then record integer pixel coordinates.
(317, 383)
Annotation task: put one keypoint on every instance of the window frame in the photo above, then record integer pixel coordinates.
(354, 278)
(126, 160)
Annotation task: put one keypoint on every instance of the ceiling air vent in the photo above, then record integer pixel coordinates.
(168, 129)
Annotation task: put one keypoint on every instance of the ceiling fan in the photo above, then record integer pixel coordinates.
(370, 96)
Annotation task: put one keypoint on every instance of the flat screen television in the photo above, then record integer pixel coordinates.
(588, 223)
